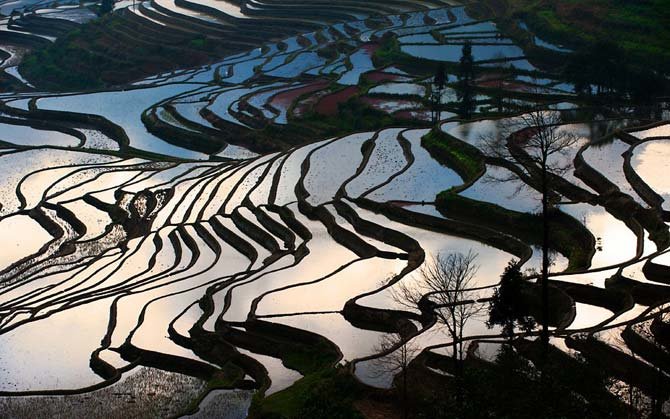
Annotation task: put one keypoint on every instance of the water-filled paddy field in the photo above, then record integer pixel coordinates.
(152, 252)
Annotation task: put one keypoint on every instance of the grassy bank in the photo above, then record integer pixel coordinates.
(465, 159)
(568, 236)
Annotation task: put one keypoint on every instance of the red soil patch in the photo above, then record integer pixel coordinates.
(328, 105)
(389, 105)
(307, 104)
(506, 85)
(378, 77)
(370, 48)
(284, 99)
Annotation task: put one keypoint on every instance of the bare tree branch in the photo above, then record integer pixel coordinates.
(447, 282)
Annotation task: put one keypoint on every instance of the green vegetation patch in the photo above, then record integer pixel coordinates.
(465, 159)
(109, 51)
(326, 394)
(639, 27)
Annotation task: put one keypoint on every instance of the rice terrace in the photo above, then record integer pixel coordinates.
(281, 209)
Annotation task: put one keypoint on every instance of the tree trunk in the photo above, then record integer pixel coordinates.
(404, 391)
(545, 262)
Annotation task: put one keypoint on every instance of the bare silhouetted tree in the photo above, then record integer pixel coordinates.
(538, 142)
(445, 284)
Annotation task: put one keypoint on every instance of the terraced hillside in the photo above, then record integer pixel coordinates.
(188, 240)
(153, 36)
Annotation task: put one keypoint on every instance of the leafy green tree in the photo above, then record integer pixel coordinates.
(605, 66)
(508, 307)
